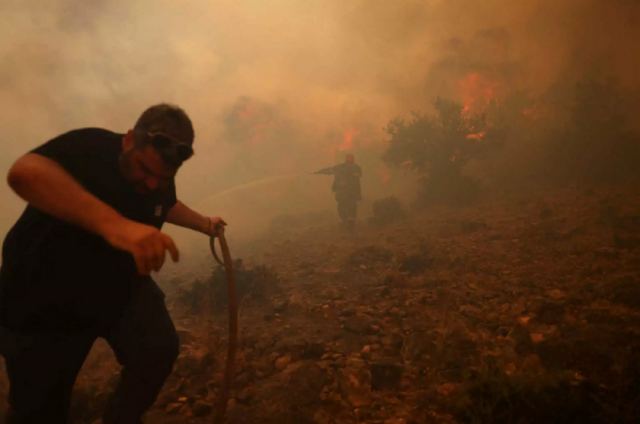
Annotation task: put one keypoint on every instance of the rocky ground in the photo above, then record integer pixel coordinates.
(516, 309)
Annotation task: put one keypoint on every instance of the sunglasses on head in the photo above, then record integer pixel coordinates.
(169, 145)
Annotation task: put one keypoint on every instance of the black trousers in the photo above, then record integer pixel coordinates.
(347, 210)
(43, 370)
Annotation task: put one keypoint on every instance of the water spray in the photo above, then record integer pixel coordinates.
(252, 184)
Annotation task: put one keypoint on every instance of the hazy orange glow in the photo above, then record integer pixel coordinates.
(476, 92)
(347, 140)
(383, 173)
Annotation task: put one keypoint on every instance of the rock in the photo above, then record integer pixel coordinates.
(520, 336)
(323, 417)
(415, 263)
(392, 343)
(395, 421)
(470, 311)
(347, 312)
(446, 389)
(201, 408)
(173, 407)
(532, 363)
(536, 337)
(265, 366)
(194, 361)
(626, 241)
(626, 291)
(282, 362)
(359, 324)
(556, 294)
(243, 378)
(550, 313)
(313, 351)
(419, 344)
(524, 320)
(393, 279)
(354, 382)
(185, 336)
(385, 375)
(238, 414)
(280, 305)
(394, 311)
(305, 383)
(607, 253)
(245, 395)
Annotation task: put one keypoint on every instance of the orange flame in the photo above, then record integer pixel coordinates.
(476, 92)
(476, 136)
(254, 120)
(347, 139)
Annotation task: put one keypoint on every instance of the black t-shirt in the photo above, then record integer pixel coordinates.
(346, 183)
(57, 276)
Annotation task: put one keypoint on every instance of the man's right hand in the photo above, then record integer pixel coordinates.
(146, 244)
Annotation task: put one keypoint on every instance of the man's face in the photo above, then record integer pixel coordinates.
(349, 159)
(144, 168)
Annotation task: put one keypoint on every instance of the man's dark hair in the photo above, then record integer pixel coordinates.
(168, 121)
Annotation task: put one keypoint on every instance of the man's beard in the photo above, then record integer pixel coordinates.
(138, 185)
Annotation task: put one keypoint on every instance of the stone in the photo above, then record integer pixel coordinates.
(313, 351)
(354, 382)
(550, 313)
(201, 408)
(359, 324)
(280, 305)
(173, 407)
(307, 379)
(282, 362)
(385, 375)
(395, 421)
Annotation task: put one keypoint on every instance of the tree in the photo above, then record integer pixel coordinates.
(600, 144)
(437, 147)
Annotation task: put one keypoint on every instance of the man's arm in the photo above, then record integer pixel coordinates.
(326, 171)
(47, 186)
(182, 215)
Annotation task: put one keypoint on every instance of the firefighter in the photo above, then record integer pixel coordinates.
(346, 189)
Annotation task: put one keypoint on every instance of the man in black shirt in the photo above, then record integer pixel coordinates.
(346, 188)
(76, 264)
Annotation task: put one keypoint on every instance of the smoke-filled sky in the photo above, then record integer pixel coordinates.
(284, 87)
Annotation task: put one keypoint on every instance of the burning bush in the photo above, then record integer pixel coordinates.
(438, 147)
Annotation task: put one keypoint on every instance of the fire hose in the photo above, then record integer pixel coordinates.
(227, 264)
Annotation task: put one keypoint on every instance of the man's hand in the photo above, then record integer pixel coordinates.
(146, 244)
(182, 215)
(216, 226)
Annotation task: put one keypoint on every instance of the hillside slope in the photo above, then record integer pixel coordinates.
(519, 308)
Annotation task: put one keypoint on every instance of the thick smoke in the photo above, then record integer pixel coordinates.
(279, 89)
